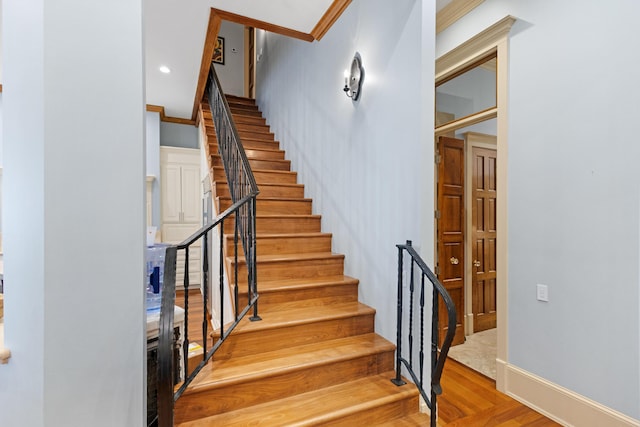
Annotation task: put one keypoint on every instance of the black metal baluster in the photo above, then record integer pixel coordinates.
(205, 292)
(185, 344)
(422, 331)
(235, 263)
(254, 257)
(221, 280)
(434, 353)
(411, 304)
(398, 379)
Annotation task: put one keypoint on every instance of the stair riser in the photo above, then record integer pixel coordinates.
(266, 177)
(249, 120)
(274, 207)
(194, 406)
(250, 127)
(280, 225)
(279, 165)
(376, 415)
(288, 245)
(244, 344)
(253, 154)
(248, 144)
(310, 297)
(292, 269)
(240, 100)
(263, 136)
(289, 192)
(243, 112)
(262, 177)
(242, 106)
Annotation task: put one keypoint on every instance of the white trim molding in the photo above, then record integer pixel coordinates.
(472, 50)
(558, 403)
(454, 11)
(491, 41)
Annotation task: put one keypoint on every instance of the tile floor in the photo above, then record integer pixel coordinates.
(478, 352)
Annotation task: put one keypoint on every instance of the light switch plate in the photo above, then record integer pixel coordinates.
(542, 292)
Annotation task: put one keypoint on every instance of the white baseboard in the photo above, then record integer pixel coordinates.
(558, 403)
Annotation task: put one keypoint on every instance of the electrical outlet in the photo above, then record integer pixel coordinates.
(542, 292)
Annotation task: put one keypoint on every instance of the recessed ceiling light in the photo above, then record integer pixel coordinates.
(165, 69)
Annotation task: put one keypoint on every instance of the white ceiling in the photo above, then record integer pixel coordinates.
(175, 32)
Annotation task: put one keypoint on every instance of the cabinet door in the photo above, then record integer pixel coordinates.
(171, 193)
(176, 233)
(191, 200)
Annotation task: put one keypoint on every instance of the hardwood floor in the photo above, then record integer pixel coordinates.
(471, 399)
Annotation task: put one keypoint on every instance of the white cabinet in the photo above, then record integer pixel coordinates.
(181, 205)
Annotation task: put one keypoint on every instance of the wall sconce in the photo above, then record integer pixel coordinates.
(353, 78)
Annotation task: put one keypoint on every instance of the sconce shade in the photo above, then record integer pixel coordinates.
(353, 83)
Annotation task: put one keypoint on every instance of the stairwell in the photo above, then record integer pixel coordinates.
(315, 358)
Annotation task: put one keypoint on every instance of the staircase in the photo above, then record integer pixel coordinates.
(315, 358)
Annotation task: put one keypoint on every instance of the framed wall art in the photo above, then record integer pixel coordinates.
(218, 51)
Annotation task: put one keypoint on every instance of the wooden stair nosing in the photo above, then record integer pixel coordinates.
(261, 136)
(284, 223)
(250, 144)
(296, 326)
(264, 153)
(242, 106)
(342, 404)
(279, 299)
(245, 113)
(301, 316)
(240, 98)
(254, 127)
(221, 373)
(268, 164)
(250, 120)
(311, 367)
(272, 267)
(266, 190)
(299, 206)
(278, 258)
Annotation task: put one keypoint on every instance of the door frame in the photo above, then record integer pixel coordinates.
(493, 40)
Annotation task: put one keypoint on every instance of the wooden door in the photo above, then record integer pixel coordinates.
(484, 235)
(450, 225)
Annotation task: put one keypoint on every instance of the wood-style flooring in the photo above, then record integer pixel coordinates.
(471, 399)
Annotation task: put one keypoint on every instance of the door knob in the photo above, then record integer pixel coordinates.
(476, 263)
(454, 260)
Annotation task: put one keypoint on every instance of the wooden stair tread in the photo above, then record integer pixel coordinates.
(240, 98)
(284, 235)
(221, 373)
(302, 315)
(316, 407)
(264, 259)
(302, 283)
(275, 199)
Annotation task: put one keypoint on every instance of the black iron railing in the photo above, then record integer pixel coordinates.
(437, 358)
(242, 215)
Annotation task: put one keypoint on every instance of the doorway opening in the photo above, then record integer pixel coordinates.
(471, 181)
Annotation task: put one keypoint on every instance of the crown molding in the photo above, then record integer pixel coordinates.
(329, 18)
(250, 22)
(480, 46)
(455, 10)
(169, 119)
